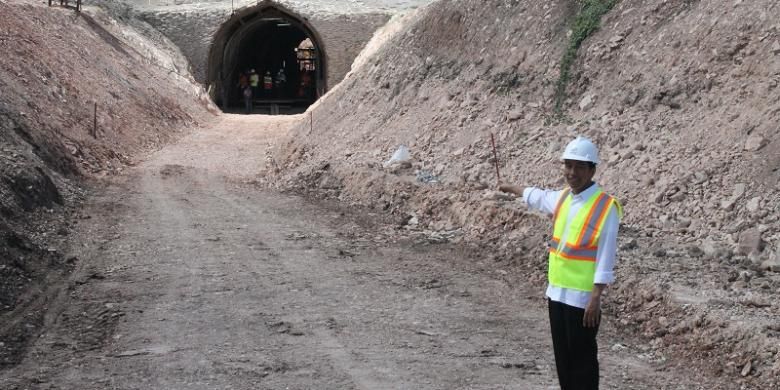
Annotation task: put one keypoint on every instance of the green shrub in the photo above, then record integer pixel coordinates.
(587, 21)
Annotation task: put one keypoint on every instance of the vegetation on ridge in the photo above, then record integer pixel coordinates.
(587, 21)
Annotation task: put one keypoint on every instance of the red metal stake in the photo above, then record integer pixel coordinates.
(495, 156)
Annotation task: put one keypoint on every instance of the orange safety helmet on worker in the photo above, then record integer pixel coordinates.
(572, 264)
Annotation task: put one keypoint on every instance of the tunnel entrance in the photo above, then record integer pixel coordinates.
(265, 60)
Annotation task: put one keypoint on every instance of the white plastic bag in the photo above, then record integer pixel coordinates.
(400, 155)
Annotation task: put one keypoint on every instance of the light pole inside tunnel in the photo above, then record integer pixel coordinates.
(266, 61)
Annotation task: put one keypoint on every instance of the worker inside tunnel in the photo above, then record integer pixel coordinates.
(271, 63)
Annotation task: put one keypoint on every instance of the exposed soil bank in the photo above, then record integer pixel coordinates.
(681, 96)
(58, 66)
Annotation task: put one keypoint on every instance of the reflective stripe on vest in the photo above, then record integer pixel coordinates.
(572, 264)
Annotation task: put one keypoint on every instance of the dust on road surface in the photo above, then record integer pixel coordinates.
(190, 277)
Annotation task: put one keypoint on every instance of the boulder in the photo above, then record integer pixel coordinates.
(711, 249)
(755, 142)
(736, 226)
(700, 177)
(684, 223)
(586, 103)
(773, 263)
(739, 190)
(516, 115)
(629, 245)
(497, 195)
(727, 204)
(695, 251)
(616, 41)
(753, 204)
(750, 242)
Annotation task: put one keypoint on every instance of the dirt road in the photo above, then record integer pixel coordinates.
(192, 278)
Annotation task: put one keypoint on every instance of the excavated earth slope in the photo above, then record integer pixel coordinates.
(55, 66)
(683, 98)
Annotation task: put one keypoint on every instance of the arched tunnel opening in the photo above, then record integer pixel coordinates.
(267, 61)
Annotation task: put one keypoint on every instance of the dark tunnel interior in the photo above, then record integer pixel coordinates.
(278, 62)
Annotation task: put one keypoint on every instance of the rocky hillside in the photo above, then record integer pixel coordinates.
(57, 68)
(683, 98)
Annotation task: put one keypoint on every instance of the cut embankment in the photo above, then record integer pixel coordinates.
(83, 95)
(683, 99)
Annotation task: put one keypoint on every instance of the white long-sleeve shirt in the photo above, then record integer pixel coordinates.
(545, 201)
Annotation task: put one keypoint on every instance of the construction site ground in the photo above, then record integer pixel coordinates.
(149, 241)
(189, 275)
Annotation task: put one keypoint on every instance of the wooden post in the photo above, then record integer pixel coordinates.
(94, 123)
(311, 121)
(495, 156)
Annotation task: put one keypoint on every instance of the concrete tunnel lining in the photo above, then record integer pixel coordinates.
(233, 36)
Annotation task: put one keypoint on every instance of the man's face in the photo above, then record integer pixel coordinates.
(578, 174)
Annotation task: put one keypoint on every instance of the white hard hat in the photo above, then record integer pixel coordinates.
(581, 149)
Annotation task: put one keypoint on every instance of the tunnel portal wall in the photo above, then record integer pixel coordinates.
(194, 31)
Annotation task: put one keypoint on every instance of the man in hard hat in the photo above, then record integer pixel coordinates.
(581, 260)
